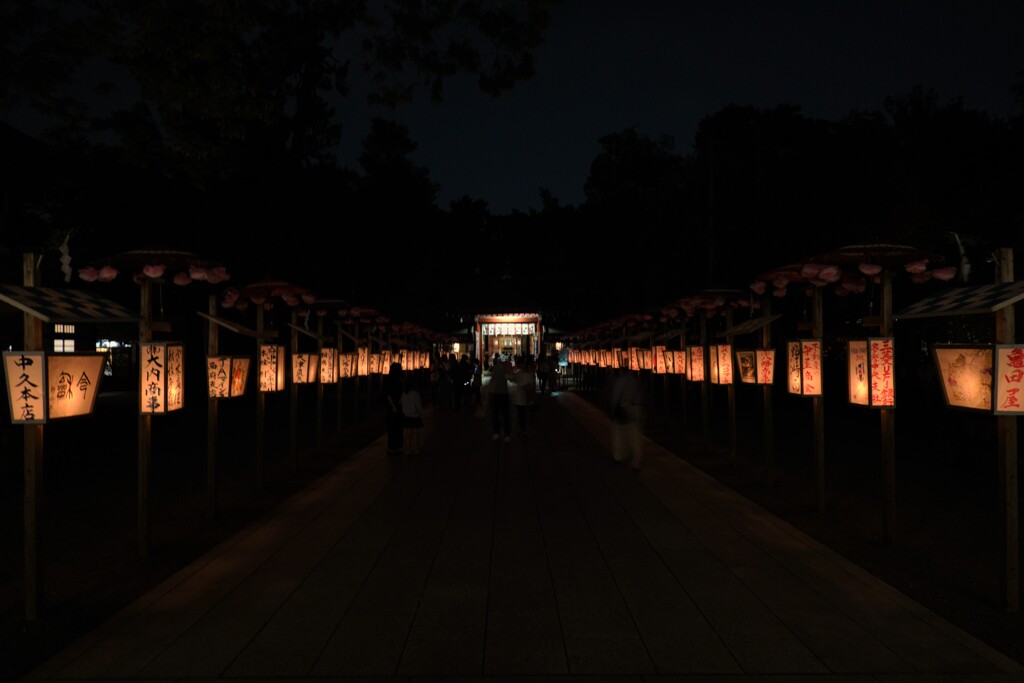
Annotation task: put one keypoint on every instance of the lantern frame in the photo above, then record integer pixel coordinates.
(982, 359)
(329, 365)
(271, 368)
(695, 366)
(720, 356)
(305, 367)
(864, 351)
(173, 357)
(797, 367)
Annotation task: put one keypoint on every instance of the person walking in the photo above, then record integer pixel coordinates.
(524, 386)
(391, 395)
(497, 397)
(412, 415)
(625, 406)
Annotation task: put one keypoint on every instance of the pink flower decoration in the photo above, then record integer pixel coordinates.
(242, 304)
(779, 292)
(227, 303)
(945, 274)
(870, 268)
(308, 299)
(153, 270)
(830, 274)
(107, 273)
(758, 287)
(89, 274)
(919, 278)
(258, 299)
(809, 270)
(197, 273)
(780, 282)
(181, 278)
(917, 266)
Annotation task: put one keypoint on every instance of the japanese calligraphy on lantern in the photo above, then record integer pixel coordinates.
(668, 357)
(616, 358)
(73, 381)
(305, 368)
(695, 365)
(748, 367)
(804, 367)
(765, 365)
(724, 352)
(271, 367)
(161, 377)
(966, 373)
(26, 386)
(328, 365)
(634, 358)
(857, 371)
(1009, 377)
(880, 357)
(659, 360)
(347, 364)
(226, 376)
(646, 359)
(363, 361)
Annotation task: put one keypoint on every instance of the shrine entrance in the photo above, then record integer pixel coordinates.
(507, 335)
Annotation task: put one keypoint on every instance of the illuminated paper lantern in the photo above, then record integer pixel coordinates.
(870, 369)
(375, 364)
(721, 363)
(633, 362)
(646, 359)
(661, 366)
(347, 365)
(226, 376)
(1009, 379)
(803, 367)
(271, 367)
(746, 362)
(616, 358)
(328, 365)
(967, 375)
(385, 362)
(50, 386)
(695, 363)
(161, 377)
(765, 365)
(363, 362)
(305, 368)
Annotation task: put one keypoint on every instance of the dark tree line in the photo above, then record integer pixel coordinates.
(223, 147)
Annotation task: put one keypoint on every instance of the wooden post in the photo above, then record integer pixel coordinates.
(145, 422)
(768, 425)
(684, 381)
(320, 386)
(212, 345)
(293, 395)
(1006, 427)
(261, 403)
(731, 394)
(888, 425)
(33, 464)
(819, 408)
(705, 385)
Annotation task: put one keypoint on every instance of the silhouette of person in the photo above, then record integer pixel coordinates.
(625, 405)
(524, 386)
(497, 397)
(412, 415)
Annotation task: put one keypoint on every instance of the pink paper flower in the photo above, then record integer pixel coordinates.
(153, 270)
(107, 273)
(181, 278)
(869, 268)
(945, 274)
(89, 274)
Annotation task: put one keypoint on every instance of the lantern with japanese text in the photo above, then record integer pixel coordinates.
(982, 377)
(161, 377)
(305, 368)
(226, 376)
(765, 368)
(695, 363)
(870, 368)
(328, 365)
(634, 358)
(678, 361)
(746, 361)
(347, 365)
(721, 363)
(803, 366)
(272, 367)
(65, 385)
(616, 358)
(363, 361)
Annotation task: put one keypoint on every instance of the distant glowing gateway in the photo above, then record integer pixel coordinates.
(507, 334)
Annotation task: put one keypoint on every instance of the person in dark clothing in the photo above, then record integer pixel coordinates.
(394, 384)
(462, 373)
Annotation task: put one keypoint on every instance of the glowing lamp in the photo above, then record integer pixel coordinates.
(721, 363)
(347, 365)
(226, 376)
(42, 387)
(678, 361)
(803, 366)
(870, 369)
(695, 363)
(305, 368)
(633, 362)
(271, 367)
(982, 377)
(765, 359)
(616, 358)
(328, 365)
(161, 377)
(375, 367)
(363, 362)
(746, 362)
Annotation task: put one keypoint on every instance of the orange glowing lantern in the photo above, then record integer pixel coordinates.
(161, 377)
(347, 365)
(305, 368)
(1009, 379)
(363, 362)
(42, 387)
(746, 361)
(226, 376)
(328, 365)
(765, 365)
(271, 367)
(870, 369)
(721, 363)
(804, 367)
(616, 358)
(695, 363)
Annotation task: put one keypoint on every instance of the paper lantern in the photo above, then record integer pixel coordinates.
(679, 362)
(49, 386)
(982, 377)
(746, 362)
(161, 377)
(375, 364)
(765, 359)
(226, 376)
(271, 367)
(347, 365)
(328, 365)
(720, 356)
(803, 367)
(363, 362)
(616, 358)
(870, 369)
(695, 363)
(658, 367)
(305, 368)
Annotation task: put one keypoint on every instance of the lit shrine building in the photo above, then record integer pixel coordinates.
(507, 334)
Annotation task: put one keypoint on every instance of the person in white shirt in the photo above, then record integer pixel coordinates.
(412, 415)
(524, 386)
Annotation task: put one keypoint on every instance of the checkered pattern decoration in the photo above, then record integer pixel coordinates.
(966, 301)
(65, 305)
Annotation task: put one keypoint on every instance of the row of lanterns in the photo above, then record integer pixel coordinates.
(987, 378)
(44, 386)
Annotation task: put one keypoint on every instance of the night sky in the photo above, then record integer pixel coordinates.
(662, 66)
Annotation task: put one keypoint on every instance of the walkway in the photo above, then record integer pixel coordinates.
(539, 557)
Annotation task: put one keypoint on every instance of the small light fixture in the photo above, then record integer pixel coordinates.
(804, 367)
(363, 362)
(870, 369)
(695, 363)
(305, 368)
(161, 377)
(721, 363)
(271, 367)
(328, 365)
(49, 386)
(226, 376)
